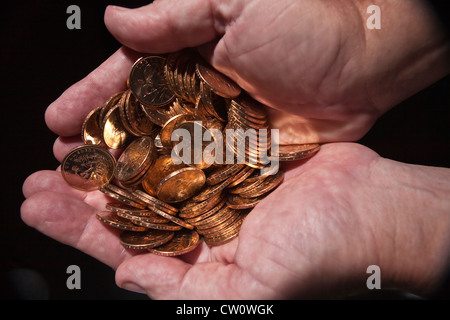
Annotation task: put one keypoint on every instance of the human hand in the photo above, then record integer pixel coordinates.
(313, 60)
(352, 209)
(68, 215)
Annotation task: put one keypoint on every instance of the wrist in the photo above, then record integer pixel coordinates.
(408, 53)
(415, 251)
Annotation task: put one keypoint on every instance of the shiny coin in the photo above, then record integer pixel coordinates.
(135, 159)
(123, 192)
(210, 191)
(116, 196)
(145, 240)
(270, 183)
(109, 104)
(184, 241)
(226, 235)
(169, 127)
(134, 214)
(88, 167)
(153, 202)
(192, 209)
(114, 133)
(112, 219)
(235, 201)
(91, 132)
(180, 185)
(218, 82)
(169, 226)
(148, 82)
(289, 152)
(222, 173)
(140, 124)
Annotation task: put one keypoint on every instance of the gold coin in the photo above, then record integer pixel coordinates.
(153, 202)
(289, 152)
(91, 132)
(145, 240)
(169, 127)
(222, 224)
(215, 220)
(218, 82)
(113, 220)
(195, 147)
(184, 241)
(135, 159)
(222, 173)
(169, 226)
(180, 185)
(120, 198)
(235, 201)
(270, 183)
(195, 219)
(148, 82)
(193, 209)
(134, 214)
(174, 219)
(114, 133)
(158, 116)
(226, 235)
(210, 191)
(162, 167)
(139, 122)
(109, 104)
(123, 192)
(240, 176)
(249, 106)
(88, 167)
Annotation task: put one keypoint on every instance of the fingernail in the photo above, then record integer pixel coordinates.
(130, 286)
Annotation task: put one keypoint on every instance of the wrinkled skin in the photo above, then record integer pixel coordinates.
(335, 214)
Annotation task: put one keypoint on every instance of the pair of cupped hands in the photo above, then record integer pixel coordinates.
(326, 78)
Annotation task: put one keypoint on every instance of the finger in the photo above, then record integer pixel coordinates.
(47, 180)
(163, 26)
(53, 181)
(172, 278)
(65, 116)
(63, 145)
(73, 222)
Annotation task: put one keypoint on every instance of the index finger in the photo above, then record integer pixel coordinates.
(65, 116)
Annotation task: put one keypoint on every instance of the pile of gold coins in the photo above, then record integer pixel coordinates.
(162, 204)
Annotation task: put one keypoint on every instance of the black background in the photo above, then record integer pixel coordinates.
(40, 58)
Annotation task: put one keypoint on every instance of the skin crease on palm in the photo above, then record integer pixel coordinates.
(335, 214)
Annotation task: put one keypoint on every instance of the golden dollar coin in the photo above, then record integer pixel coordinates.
(217, 81)
(112, 219)
(88, 167)
(145, 240)
(181, 184)
(119, 197)
(114, 133)
(91, 133)
(148, 82)
(289, 152)
(235, 201)
(183, 242)
(135, 159)
(270, 183)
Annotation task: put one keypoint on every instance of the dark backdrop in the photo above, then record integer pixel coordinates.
(40, 58)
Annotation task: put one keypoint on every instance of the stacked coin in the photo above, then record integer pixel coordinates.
(165, 205)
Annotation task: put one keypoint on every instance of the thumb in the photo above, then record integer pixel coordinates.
(162, 26)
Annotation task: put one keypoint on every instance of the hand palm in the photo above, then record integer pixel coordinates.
(276, 251)
(264, 260)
